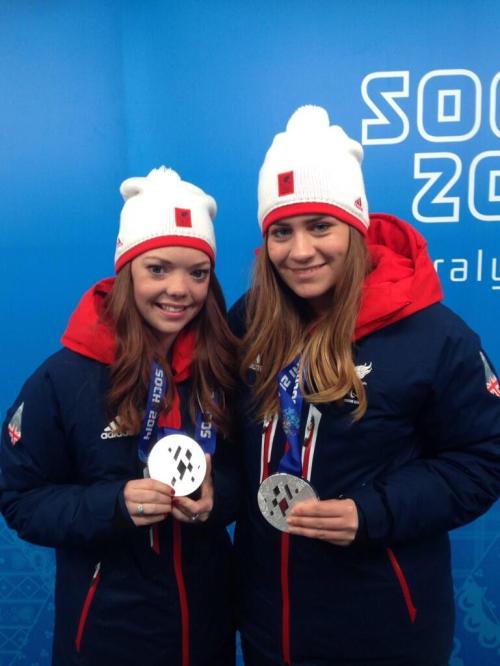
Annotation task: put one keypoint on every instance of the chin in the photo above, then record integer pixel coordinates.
(308, 294)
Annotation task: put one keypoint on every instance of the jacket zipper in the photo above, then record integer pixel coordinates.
(403, 584)
(311, 428)
(285, 600)
(181, 586)
(267, 430)
(86, 606)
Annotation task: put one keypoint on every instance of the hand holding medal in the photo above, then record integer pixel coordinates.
(176, 460)
(147, 501)
(279, 494)
(335, 521)
(179, 461)
(198, 510)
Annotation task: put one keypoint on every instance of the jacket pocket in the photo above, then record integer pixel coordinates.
(86, 606)
(403, 584)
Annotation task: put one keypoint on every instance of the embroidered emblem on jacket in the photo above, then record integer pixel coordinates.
(257, 364)
(14, 427)
(491, 379)
(111, 431)
(362, 371)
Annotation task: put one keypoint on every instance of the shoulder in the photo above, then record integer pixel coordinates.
(431, 342)
(435, 324)
(442, 316)
(61, 383)
(62, 373)
(66, 362)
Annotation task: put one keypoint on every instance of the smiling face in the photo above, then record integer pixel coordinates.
(309, 252)
(170, 288)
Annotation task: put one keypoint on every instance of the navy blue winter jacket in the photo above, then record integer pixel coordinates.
(424, 459)
(119, 600)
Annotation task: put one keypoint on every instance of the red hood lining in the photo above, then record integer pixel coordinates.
(88, 334)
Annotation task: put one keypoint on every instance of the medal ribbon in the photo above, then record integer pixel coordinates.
(205, 434)
(291, 399)
(157, 389)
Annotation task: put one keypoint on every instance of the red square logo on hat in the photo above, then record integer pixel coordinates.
(285, 183)
(182, 217)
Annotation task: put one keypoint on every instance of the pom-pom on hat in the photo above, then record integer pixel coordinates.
(312, 168)
(163, 210)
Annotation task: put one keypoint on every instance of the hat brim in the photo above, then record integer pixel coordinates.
(312, 208)
(165, 241)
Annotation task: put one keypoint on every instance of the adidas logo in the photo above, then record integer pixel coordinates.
(111, 431)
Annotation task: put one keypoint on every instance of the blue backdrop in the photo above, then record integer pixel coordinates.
(94, 92)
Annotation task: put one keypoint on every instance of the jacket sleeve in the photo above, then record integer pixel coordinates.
(227, 463)
(227, 483)
(40, 494)
(455, 476)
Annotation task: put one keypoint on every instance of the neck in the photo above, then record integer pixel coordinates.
(165, 344)
(321, 305)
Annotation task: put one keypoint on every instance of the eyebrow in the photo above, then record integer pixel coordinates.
(200, 264)
(318, 218)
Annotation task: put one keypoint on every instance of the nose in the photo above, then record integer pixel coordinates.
(302, 246)
(176, 286)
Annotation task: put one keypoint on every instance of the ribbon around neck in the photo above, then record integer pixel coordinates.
(205, 433)
(291, 399)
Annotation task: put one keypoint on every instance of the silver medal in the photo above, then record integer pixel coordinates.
(178, 461)
(278, 494)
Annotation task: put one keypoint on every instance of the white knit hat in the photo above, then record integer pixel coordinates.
(162, 210)
(312, 168)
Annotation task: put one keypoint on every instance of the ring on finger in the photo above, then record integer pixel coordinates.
(140, 510)
(194, 517)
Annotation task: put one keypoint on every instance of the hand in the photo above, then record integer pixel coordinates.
(197, 511)
(148, 501)
(335, 521)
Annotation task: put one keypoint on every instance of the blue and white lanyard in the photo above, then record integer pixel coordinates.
(291, 399)
(204, 432)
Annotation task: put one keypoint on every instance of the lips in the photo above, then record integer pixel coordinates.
(175, 309)
(306, 270)
(170, 312)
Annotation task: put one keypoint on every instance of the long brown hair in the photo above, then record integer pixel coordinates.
(213, 367)
(280, 325)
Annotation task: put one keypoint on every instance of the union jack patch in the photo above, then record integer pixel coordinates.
(14, 427)
(491, 379)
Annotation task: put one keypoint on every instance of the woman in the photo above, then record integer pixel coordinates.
(391, 416)
(143, 576)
